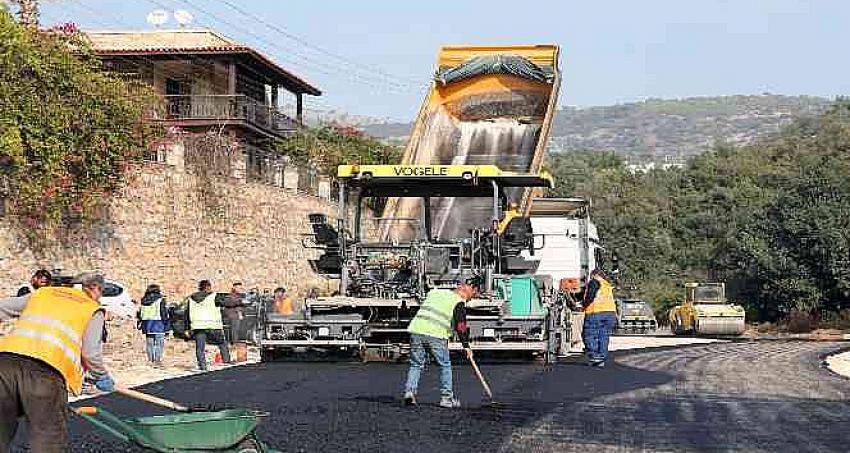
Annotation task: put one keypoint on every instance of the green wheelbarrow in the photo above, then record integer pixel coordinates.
(229, 430)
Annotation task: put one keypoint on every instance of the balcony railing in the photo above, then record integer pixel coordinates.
(225, 107)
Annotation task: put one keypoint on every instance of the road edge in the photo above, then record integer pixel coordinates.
(838, 362)
(87, 396)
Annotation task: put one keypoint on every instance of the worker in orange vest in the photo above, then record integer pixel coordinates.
(283, 304)
(57, 336)
(600, 317)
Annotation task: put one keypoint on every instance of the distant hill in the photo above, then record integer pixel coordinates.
(656, 128)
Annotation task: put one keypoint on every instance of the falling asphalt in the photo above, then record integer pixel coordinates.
(753, 396)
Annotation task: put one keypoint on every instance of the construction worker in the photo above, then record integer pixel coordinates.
(511, 213)
(234, 312)
(206, 324)
(430, 330)
(39, 279)
(283, 304)
(58, 335)
(154, 323)
(600, 317)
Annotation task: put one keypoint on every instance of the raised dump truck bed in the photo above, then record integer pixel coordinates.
(488, 105)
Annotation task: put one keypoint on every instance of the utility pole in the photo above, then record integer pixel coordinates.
(28, 12)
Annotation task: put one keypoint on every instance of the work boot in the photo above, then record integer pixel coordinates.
(409, 399)
(449, 402)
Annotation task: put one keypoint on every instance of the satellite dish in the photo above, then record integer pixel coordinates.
(183, 17)
(158, 17)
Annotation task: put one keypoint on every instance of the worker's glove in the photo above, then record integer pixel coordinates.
(105, 383)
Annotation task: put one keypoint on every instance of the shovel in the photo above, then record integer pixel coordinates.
(482, 380)
(161, 401)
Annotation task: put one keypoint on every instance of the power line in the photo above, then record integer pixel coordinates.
(317, 103)
(368, 79)
(317, 48)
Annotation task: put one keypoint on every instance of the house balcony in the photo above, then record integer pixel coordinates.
(230, 110)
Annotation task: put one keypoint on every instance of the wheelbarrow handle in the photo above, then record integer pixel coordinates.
(151, 399)
(106, 421)
(117, 427)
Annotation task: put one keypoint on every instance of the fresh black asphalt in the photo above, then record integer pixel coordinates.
(749, 396)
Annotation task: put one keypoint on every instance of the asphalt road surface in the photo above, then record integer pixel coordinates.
(750, 396)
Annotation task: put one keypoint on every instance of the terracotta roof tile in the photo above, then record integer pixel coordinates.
(165, 40)
(201, 41)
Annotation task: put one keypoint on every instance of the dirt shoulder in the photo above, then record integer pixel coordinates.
(815, 335)
(125, 357)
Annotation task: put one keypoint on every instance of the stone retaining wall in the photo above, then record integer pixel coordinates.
(172, 227)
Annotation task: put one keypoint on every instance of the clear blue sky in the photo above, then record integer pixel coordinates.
(612, 51)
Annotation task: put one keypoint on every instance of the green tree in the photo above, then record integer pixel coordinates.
(771, 218)
(329, 147)
(796, 251)
(67, 129)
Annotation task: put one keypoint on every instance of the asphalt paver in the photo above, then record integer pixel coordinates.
(752, 396)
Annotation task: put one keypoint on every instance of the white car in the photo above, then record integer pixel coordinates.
(115, 298)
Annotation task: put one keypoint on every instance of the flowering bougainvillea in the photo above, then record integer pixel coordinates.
(67, 129)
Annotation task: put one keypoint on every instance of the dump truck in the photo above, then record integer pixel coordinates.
(383, 282)
(566, 247)
(635, 316)
(566, 243)
(706, 311)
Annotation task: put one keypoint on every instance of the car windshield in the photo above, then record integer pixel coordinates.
(111, 290)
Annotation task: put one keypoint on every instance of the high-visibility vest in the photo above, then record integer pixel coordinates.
(51, 329)
(152, 312)
(434, 317)
(285, 307)
(604, 300)
(204, 314)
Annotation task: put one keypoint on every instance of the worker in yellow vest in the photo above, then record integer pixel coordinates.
(206, 324)
(442, 313)
(154, 323)
(600, 317)
(57, 336)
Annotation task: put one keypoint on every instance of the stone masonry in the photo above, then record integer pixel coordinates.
(172, 227)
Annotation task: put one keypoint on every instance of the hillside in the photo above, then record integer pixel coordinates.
(657, 128)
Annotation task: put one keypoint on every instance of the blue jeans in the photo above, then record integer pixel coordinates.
(154, 345)
(596, 332)
(438, 349)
